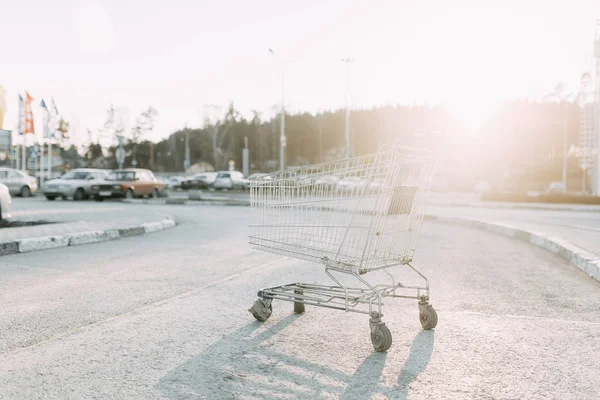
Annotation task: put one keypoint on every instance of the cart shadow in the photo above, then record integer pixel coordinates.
(365, 383)
(243, 364)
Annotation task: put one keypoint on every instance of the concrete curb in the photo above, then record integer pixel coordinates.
(525, 206)
(184, 202)
(75, 239)
(574, 255)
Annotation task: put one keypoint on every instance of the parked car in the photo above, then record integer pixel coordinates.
(556, 187)
(18, 182)
(128, 183)
(230, 180)
(260, 176)
(199, 181)
(327, 181)
(5, 202)
(174, 182)
(76, 184)
(352, 183)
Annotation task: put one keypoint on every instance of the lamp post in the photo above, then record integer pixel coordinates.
(564, 166)
(347, 61)
(187, 162)
(585, 136)
(282, 140)
(563, 100)
(596, 183)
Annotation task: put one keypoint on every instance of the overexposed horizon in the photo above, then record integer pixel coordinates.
(179, 56)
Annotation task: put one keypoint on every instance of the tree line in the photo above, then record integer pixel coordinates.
(518, 147)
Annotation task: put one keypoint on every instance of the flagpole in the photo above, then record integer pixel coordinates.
(50, 158)
(17, 155)
(53, 117)
(24, 154)
(41, 161)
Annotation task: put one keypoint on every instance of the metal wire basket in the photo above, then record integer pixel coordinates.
(354, 216)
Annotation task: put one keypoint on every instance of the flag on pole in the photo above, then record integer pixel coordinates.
(21, 115)
(29, 129)
(53, 120)
(46, 132)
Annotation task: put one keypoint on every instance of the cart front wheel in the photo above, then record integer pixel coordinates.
(381, 337)
(261, 309)
(299, 305)
(428, 318)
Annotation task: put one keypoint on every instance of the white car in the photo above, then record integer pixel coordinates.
(557, 187)
(76, 183)
(18, 182)
(260, 177)
(5, 202)
(230, 180)
(327, 181)
(351, 183)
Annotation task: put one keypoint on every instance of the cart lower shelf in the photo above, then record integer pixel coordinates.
(368, 300)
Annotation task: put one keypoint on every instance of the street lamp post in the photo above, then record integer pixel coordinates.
(347, 61)
(597, 110)
(564, 167)
(186, 162)
(282, 140)
(564, 101)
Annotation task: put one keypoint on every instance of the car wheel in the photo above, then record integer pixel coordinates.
(51, 198)
(79, 195)
(155, 193)
(25, 191)
(129, 194)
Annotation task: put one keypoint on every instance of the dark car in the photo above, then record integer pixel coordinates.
(128, 183)
(199, 181)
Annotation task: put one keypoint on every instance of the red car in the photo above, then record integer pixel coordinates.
(128, 183)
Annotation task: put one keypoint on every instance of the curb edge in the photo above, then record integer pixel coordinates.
(574, 255)
(28, 245)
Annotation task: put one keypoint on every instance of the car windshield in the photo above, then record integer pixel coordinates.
(121, 176)
(75, 175)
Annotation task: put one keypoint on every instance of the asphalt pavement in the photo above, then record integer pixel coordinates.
(68, 217)
(581, 228)
(164, 316)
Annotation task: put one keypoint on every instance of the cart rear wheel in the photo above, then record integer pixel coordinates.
(381, 337)
(298, 305)
(428, 318)
(261, 309)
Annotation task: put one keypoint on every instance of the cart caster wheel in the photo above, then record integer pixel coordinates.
(299, 308)
(298, 305)
(428, 318)
(381, 337)
(261, 309)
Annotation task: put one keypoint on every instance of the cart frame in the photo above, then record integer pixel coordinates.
(369, 220)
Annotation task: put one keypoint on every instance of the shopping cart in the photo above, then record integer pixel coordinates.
(354, 216)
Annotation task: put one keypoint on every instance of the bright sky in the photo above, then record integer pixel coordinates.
(180, 55)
